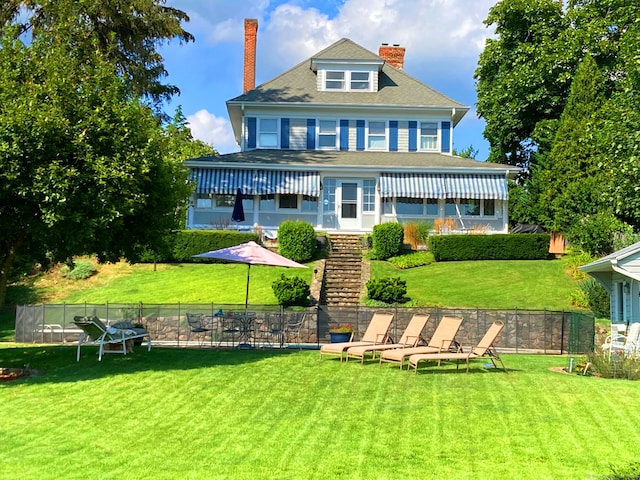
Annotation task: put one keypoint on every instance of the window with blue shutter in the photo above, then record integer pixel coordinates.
(311, 134)
(413, 136)
(251, 136)
(446, 136)
(344, 135)
(393, 136)
(284, 133)
(359, 135)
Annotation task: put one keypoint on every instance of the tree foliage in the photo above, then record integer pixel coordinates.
(85, 165)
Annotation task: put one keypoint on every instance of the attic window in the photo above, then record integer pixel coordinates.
(359, 80)
(334, 81)
(347, 81)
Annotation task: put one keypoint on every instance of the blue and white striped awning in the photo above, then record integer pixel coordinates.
(225, 181)
(476, 186)
(443, 186)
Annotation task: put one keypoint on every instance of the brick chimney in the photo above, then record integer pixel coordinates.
(393, 55)
(250, 37)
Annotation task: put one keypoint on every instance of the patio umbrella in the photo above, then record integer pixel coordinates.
(252, 254)
(238, 210)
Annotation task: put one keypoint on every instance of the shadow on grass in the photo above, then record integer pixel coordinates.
(58, 363)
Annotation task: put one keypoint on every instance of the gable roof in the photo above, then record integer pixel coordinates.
(625, 261)
(298, 86)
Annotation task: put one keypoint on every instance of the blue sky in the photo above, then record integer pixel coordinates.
(443, 39)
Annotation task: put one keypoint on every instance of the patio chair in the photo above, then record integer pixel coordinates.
(484, 348)
(197, 326)
(375, 334)
(628, 344)
(442, 340)
(410, 338)
(116, 339)
(292, 329)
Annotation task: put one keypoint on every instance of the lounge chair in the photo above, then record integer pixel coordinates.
(97, 333)
(628, 344)
(441, 341)
(375, 334)
(485, 348)
(410, 338)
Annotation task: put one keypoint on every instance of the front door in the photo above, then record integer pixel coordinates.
(349, 205)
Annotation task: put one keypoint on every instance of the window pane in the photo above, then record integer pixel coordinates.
(359, 80)
(470, 207)
(428, 128)
(309, 204)
(450, 208)
(267, 202)
(428, 143)
(334, 85)
(489, 207)
(225, 200)
(432, 206)
(334, 81)
(360, 76)
(327, 126)
(247, 204)
(268, 125)
(335, 75)
(428, 136)
(368, 195)
(204, 202)
(329, 194)
(326, 141)
(409, 206)
(268, 140)
(377, 143)
(377, 128)
(288, 200)
(349, 192)
(387, 208)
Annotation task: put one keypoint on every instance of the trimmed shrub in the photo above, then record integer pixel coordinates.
(387, 240)
(387, 290)
(291, 291)
(296, 240)
(411, 260)
(191, 242)
(530, 246)
(80, 271)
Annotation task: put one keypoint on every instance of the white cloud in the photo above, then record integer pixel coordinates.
(213, 130)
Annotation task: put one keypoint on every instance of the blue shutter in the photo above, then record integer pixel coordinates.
(359, 135)
(311, 133)
(251, 138)
(284, 133)
(446, 136)
(344, 134)
(393, 136)
(413, 136)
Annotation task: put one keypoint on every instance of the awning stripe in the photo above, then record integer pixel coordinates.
(443, 186)
(225, 181)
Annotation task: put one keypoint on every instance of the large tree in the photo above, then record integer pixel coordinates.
(86, 166)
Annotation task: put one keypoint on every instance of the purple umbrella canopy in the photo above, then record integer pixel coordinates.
(252, 254)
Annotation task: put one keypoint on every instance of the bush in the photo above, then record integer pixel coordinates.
(519, 246)
(296, 240)
(614, 366)
(412, 260)
(596, 296)
(387, 240)
(291, 291)
(387, 290)
(80, 271)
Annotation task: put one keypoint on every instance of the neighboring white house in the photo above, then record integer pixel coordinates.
(346, 140)
(619, 273)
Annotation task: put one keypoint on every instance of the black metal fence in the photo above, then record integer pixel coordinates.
(539, 331)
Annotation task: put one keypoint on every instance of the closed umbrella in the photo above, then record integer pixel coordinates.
(238, 210)
(252, 254)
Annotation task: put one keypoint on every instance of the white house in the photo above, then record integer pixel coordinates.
(619, 273)
(346, 140)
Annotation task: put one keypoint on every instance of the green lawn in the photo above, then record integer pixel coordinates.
(525, 284)
(191, 283)
(192, 414)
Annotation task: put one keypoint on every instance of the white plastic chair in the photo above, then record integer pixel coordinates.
(629, 344)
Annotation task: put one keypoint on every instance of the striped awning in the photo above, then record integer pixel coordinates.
(443, 186)
(411, 185)
(225, 181)
(476, 186)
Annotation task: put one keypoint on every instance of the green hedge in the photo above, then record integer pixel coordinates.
(387, 240)
(296, 240)
(530, 246)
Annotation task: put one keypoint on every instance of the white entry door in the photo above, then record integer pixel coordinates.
(349, 205)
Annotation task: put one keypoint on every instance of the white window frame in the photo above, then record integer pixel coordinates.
(271, 133)
(322, 133)
(433, 138)
(342, 82)
(368, 195)
(366, 82)
(370, 135)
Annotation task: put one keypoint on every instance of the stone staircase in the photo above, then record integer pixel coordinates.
(343, 271)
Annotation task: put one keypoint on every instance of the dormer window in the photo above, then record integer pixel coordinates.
(334, 81)
(359, 80)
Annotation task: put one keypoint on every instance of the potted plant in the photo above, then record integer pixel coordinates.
(341, 333)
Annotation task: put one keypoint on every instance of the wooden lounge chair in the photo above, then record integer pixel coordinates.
(410, 338)
(440, 341)
(484, 348)
(376, 333)
(97, 333)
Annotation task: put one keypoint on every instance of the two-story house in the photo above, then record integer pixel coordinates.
(346, 140)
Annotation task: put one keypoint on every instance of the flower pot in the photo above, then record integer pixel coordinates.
(339, 337)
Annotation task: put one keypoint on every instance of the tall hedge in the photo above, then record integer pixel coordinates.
(296, 240)
(490, 247)
(387, 240)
